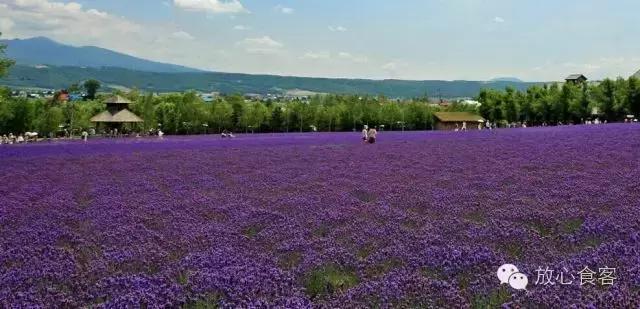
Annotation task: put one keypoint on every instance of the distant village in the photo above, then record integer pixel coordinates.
(298, 95)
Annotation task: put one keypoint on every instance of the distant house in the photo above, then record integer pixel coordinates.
(449, 121)
(576, 79)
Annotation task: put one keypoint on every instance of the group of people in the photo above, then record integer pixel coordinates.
(12, 139)
(369, 135)
(227, 134)
(18, 139)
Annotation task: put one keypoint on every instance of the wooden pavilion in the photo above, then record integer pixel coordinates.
(117, 114)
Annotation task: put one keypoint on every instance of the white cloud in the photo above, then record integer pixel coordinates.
(6, 24)
(582, 66)
(67, 20)
(394, 68)
(354, 58)
(182, 35)
(337, 29)
(71, 23)
(498, 19)
(241, 27)
(262, 45)
(211, 6)
(612, 60)
(284, 9)
(316, 55)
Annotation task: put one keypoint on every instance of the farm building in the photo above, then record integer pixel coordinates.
(576, 78)
(449, 121)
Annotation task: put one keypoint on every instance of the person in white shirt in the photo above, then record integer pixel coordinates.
(85, 135)
(20, 139)
(372, 134)
(365, 136)
(464, 126)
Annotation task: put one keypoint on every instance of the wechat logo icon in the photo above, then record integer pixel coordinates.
(509, 274)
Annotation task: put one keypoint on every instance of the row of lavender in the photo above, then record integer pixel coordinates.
(419, 219)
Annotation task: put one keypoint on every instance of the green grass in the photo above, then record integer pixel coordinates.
(290, 260)
(183, 278)
(512, 249)
(541, 228)
(209, 301)
(364, 196)
(476, 217)
(572, 225)
(495, 299)
(383, 268)
(252, 231)
(328, 280)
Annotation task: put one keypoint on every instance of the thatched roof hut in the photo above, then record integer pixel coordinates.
(117, 112)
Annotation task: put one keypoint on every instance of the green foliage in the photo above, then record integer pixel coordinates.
(329, 279)
(61, 77)
(5, 63)
(569, 103)
(495, 299)
(187, 113)
(91, 86)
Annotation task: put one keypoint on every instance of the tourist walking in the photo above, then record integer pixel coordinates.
(85, 135)
(365, 134)
(464, 126)
(372, 134)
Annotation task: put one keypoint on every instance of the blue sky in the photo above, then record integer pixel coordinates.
(409, 39)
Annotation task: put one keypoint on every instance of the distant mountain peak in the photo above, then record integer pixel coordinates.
(45, 51)
(507, 79)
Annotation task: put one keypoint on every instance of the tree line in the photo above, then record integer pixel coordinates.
(610, 100)
(187, 113)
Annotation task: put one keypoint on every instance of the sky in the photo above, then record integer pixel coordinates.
(543, 40)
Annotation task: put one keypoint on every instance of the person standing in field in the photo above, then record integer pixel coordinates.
(85, 135)
(464, 126)
(365, 134)
(372, 135)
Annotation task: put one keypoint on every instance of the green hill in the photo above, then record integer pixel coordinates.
(53, 77)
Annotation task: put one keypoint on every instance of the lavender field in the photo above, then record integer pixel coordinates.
(420, 219)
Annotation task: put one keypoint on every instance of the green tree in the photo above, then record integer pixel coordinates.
(166, 115)
(5, 63)
(222, 115)
(144, 107)
(277, 119)
(510, 107)
(633, 96)
(606, 99)
(91, 86)
(50, 120)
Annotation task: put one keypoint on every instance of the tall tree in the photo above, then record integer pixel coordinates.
(5, 63)
(633, 96)
(91, 86)
(606, 96)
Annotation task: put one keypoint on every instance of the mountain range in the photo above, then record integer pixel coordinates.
(43, 63)
(44, 51)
